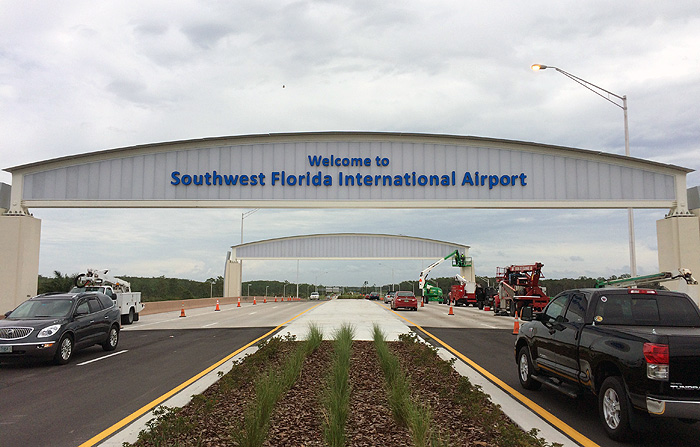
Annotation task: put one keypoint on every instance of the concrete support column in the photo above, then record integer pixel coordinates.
(679, 247)
(19, 259)
(233, 276)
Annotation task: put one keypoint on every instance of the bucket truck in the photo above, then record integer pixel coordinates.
(464, 293)
(128, 302)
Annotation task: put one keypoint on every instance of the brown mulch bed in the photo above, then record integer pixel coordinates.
(210, 419)
(435, 385)
(370, 422)
(298, 416)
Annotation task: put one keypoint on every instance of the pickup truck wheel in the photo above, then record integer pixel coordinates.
(129, 318)
(525, 370)
(112, 339)
(614, 408)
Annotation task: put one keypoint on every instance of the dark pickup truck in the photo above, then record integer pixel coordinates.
(637, 350)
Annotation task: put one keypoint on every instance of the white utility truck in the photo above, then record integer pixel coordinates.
(128, 302)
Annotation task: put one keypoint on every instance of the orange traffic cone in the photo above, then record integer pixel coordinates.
(254, 301)
(217, 305)
(265, 300)
(516, 325)
(275, 299)
(239, 302)
(182, 312)
(451, 312)
(421, 303)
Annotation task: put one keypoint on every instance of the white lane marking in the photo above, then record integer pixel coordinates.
(488, 326)
(252, 313)
(102, 358)
(210, 324)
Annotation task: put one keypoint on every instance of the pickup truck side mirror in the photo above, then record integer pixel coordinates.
(526, 313)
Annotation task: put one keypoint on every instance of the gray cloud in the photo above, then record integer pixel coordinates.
(79, 79)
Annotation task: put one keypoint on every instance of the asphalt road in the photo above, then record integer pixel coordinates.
(64, 406)
(45, 405)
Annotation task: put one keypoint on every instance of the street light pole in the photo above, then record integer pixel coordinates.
(597, 90)
(248, 289)
(243, 216)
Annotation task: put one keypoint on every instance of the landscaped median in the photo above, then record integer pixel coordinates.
(336, 393)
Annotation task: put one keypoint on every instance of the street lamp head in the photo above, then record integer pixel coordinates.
(538, 67)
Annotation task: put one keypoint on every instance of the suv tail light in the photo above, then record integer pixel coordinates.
(657, 358)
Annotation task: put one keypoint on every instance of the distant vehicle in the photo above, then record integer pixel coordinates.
(404, 300)
(374, 296)
(314, 296)
(54, 326)
(388, 297)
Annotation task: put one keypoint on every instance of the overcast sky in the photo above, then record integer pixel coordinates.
(84, 76)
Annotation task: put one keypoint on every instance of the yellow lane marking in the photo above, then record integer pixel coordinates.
(549, 417)
(148, 407)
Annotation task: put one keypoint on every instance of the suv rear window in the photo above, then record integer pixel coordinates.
(646, 310)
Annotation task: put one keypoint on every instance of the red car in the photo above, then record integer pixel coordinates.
(406, 300)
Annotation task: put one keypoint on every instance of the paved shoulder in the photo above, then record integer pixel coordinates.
(361, 314)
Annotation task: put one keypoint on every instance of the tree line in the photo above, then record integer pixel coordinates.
(163, 289)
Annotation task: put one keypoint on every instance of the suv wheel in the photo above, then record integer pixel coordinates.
(112, 339)
(64, 351)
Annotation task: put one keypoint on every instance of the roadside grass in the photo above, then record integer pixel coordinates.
(336, 399)
(269, 389)
(408, 411)
(475, 404)
(169, 423)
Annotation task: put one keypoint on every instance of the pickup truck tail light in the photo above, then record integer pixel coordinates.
(657, 358)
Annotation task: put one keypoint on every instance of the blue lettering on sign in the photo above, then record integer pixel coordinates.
(357, 179)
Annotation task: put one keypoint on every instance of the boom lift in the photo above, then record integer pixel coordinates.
(648, 280)
(428, 290)
(518, 287)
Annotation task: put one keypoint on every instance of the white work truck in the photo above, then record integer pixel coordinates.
(128, 302)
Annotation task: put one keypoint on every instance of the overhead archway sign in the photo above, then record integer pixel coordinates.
(348, 169)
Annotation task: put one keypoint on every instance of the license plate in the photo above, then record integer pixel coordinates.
(5, 348)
